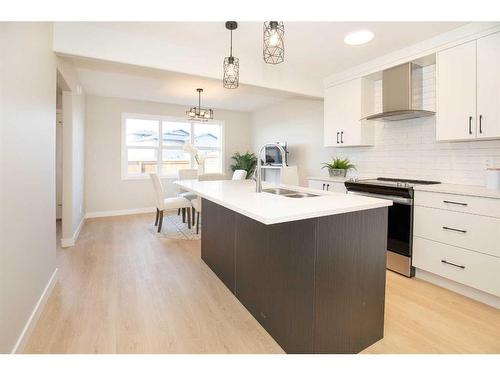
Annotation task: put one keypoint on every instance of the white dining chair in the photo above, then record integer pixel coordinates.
(239, 174)
(196, 203)
(186, 174)
(163, 203)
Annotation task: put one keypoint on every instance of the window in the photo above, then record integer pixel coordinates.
(144, 151)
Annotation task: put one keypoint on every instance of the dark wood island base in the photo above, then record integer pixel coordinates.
(315, 285)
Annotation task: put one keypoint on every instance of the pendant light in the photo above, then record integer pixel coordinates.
(198, 113)
(231, 64)
(274, 42)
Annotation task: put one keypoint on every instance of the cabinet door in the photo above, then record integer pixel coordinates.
(342, 114)
(331, 125)
(456, 93)
(217, 246)
(317, 184)
(488, 86)
(337, 187)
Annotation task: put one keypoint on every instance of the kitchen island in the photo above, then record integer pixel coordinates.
(311, 270)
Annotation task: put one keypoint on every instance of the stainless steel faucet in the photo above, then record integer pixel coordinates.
(258, 172)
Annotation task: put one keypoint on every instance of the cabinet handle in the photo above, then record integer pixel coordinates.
(323, 186)
(470, 124)
(452, 264)
(337, 137)
(327, 187)
(481, 124)
(457, 203)
(341, 137)
(455, 230)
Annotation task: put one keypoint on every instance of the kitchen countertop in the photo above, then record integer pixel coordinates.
(267, 208)
(471, 190)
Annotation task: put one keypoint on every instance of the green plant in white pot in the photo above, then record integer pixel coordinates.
(339, 167)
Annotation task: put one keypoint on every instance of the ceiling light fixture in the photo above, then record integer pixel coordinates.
(358, 37)
(231, 64)
(198, 113)
(274, 42)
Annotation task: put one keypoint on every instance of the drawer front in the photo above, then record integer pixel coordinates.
(337, 187)
(479, 271)
(316, 184)
(459, 203)
(474, 232)
(327, 185)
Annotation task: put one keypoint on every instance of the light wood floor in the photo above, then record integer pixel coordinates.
(124, 289)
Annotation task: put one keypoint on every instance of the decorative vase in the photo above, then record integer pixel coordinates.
(337, 172)
(201, 168)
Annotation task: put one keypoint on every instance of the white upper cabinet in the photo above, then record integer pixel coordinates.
(468, 91)
(456, 93)
(488, 86)
(342, 114)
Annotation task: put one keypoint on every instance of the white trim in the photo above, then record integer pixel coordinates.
(443, 41)
(130, 211)
(35, 314)
(68, 242)
(462, 289)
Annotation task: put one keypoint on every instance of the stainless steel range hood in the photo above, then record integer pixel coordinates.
(401, 94)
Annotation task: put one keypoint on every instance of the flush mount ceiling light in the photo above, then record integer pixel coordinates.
(274, 42)
(358, 37)
(198, 113)
(231, 64)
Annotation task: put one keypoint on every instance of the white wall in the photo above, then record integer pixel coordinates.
(298, 122)
(105, 190)
(27, 173)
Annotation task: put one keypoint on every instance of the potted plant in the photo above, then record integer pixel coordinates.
(339, 167)
(246, 161)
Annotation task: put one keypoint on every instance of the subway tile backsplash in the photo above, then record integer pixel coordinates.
(408, 149)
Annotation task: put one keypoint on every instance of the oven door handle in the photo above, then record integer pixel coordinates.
(394, 198)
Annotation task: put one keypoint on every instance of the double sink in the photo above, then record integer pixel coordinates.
(289, 193)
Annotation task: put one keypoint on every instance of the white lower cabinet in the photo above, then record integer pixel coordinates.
(458, 238)
(327, 185)
(467, 267)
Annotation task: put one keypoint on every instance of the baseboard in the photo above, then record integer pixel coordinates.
(35, 314)
(462, 289)
(68, 242)
(130, 211)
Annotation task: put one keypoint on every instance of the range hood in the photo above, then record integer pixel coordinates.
(401, 94)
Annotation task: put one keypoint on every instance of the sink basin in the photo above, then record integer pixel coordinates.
(279, 191)
(300, 195)
(289, 193)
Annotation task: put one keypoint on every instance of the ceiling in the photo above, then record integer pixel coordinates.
(132, 82)
(167, 61)
(316, 49)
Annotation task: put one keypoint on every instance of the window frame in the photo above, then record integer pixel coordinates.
(140, 116)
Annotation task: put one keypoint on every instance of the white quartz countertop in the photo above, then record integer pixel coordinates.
(471, 190)
(267, 208)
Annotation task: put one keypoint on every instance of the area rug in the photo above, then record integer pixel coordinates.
(173, 228)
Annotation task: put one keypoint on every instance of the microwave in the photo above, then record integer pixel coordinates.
(273, 154)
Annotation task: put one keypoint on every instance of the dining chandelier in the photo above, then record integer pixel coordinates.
(198, 113)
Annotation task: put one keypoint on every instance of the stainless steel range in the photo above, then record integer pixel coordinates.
(400, 226)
